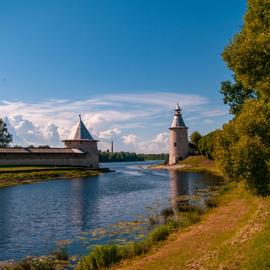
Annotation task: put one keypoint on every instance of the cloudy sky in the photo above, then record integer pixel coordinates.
(122, 64)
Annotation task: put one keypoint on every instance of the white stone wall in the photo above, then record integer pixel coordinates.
(178, 146)
(18, 160)
(89, 159)
(89, 147)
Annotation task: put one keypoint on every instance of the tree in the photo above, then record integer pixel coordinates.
(248, 54)
(206, 145)
(242, 148)
(235, 94)
(5, 137)
(195, 137)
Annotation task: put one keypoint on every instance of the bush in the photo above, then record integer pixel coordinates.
(101, 257)
(138, 248)
(161, 233)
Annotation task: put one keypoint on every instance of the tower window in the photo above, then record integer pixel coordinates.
(175, 144)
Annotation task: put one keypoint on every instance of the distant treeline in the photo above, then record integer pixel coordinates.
(128, 156)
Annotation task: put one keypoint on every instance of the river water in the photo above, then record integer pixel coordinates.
(37, 218)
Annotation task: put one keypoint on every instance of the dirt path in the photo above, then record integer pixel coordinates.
(217, 242)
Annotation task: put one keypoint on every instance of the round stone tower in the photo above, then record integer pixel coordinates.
(178, 148)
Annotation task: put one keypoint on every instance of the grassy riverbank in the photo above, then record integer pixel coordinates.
(198, 164)
(12, 176)
(234, 235)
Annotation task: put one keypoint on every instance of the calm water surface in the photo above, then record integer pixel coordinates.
(35, 219)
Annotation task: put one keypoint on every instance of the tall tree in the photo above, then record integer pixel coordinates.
(242, 148)
(195, 137)
(5, 136)
(206, 144)
(235, 94)
(248, 54)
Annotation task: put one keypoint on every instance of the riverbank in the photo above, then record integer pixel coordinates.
(198, 164)
(12, 176)
(234, 235)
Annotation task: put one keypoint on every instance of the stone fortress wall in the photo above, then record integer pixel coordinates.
(80, 151)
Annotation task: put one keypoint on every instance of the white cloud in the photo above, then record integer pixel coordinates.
(159, 144)
(25, 133)
(161, 138)
(108, 134)
(130, 139)
(107, 117)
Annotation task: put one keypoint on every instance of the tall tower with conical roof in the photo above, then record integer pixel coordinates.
(81, 139)
(178, 147)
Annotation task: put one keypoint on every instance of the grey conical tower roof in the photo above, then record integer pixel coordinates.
(177, 119)
(80, 132)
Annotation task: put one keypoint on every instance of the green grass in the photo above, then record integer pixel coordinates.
(17, 175)
(199, 164)
(58, 260)
(258, 251)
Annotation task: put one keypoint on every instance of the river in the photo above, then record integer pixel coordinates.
(80, 213)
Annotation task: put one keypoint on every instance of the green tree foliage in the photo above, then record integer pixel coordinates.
(206, 145)
(235, 94)
(248, 54)
(128, 156)
(242, 148)
(5, 137)
(195, 137)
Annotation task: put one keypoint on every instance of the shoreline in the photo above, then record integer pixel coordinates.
(156, 244)
(14, 176)
(227, 232)
(196, 164)
(188, 217)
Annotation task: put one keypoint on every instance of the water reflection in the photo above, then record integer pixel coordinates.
(191, 189)
(33, 218)
(80, 202)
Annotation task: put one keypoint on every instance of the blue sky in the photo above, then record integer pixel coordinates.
(123, 64)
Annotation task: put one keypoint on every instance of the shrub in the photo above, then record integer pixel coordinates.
(159, 234)
(162, 232)
(101, 257)
(138, 248)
